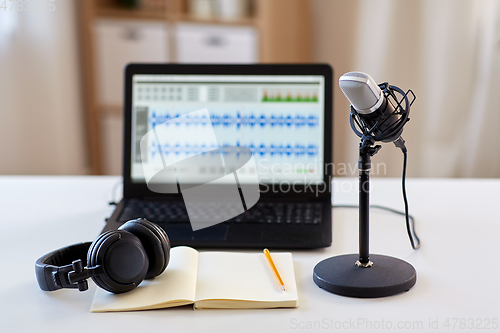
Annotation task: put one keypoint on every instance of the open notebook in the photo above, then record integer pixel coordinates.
(209, 280)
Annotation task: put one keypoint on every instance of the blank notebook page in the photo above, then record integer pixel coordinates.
(244, 276)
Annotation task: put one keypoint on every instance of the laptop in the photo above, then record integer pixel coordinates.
(281, 113)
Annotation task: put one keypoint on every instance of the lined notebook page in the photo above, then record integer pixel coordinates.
(245, 277)
(174, 287)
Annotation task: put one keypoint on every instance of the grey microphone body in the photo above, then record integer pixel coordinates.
(369, 101)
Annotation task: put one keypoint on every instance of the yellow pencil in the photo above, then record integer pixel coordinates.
(270, 260)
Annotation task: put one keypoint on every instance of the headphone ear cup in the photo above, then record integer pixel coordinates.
(154, 240)
(123, 259)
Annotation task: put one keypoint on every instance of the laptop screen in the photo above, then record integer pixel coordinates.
(280, 118)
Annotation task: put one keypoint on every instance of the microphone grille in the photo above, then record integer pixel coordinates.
(360, 89)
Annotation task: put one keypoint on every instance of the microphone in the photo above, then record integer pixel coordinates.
(377, 111)
(376, 115)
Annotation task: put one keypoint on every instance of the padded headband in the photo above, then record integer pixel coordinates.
(52, 269)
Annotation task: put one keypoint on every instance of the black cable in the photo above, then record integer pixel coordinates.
(410, 227)
(113, 201)
(410, 220)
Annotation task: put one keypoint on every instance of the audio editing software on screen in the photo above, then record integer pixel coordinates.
(280, 118)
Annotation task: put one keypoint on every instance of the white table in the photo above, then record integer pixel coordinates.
(457, 266)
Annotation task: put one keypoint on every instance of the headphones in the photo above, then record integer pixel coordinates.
(117, 261)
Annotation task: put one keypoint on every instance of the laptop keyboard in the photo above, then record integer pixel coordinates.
(261, 213)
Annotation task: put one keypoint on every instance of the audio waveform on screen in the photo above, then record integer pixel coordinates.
(297, 150)
(238, 120)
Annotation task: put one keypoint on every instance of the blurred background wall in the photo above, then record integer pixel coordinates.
(447, 52)
(42, 124)
(60, 82)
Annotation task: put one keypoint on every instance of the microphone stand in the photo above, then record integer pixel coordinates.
(366, 151)
(362, 278)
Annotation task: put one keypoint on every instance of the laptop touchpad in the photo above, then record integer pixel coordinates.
(178, 232)
(216, 233)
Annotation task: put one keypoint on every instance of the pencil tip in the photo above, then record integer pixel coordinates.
(283, 288)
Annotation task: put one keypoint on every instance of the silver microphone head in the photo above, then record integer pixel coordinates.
(362, 91)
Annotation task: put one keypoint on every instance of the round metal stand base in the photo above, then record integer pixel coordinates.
(388, 276)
